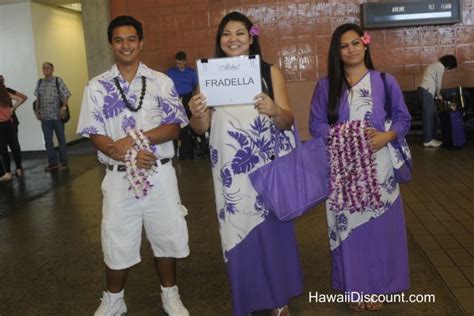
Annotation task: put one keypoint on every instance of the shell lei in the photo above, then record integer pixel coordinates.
(353, 172)
(137, 177)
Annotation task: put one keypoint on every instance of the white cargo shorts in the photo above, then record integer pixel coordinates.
(160, 213)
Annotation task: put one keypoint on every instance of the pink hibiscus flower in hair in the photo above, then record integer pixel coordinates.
(255, 30)
(366, 38)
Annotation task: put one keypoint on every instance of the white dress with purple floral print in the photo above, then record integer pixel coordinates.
(241, 141)
(103, 111)
(342, 222)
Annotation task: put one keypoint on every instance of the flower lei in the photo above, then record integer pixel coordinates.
(137, 177)
(366, 38)
(353, 173)
(254, 30)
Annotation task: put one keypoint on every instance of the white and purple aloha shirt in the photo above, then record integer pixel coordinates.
(103, 111)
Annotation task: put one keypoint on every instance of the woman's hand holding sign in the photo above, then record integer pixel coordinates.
(197, 105)
(201, 119)
(265, 105)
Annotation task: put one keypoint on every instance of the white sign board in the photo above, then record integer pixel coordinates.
(230, 80)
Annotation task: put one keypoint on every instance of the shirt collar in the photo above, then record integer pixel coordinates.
(143, 70)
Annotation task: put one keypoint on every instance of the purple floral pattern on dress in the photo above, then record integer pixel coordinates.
(231, 208)
(389, 185)
(260, 206)
(251, 147)
(342, 222)
(365, 93)
(226, 178)
(244, 160)
(365, 99)
(221, 214)
(214, 156)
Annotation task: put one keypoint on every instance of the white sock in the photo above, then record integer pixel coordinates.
(115, 296)
(166, 289)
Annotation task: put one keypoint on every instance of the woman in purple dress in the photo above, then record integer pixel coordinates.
(260, 252)
(368, 247)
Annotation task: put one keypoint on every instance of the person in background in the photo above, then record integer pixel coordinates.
(52, 96)
(185, 80)
(260, 252)
(13, 142)
(6, 132)
(369, 246)
(429, 88)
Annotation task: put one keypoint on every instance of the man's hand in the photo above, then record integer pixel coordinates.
(62, 112)
(145, 159)
(119, 148)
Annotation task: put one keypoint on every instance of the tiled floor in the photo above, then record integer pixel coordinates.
(51, 261)
(439, 209)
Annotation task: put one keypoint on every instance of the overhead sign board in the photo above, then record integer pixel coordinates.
(397, 14)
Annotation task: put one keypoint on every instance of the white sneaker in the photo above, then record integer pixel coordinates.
(172, 302)
(109, 308)
(437, 143)
(433, 143)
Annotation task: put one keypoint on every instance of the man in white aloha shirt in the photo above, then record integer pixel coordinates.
(132, 97)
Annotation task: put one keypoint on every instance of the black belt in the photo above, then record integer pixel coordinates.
(123, 168)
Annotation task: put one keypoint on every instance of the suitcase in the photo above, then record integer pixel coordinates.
(452, 129)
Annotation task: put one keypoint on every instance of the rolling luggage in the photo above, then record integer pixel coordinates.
(452, 129)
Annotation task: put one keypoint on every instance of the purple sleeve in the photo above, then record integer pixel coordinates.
(195, 79)
(401, 118)
(318, 118)
(170, 106)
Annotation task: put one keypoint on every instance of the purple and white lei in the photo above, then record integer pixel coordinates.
(137, 177)
(353, 173)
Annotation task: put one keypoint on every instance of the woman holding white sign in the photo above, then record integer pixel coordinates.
(260, 252)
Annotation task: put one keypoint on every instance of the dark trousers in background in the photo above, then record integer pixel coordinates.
(186, 136)
(430, 115)
(189, 142)
(57, 127)
(9, 138)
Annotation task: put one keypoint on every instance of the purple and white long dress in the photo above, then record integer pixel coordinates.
(369, 248)
(260, 252)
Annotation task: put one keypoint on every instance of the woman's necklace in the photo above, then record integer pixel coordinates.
(124, 99)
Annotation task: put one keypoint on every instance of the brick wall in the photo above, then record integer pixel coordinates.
(295, 36)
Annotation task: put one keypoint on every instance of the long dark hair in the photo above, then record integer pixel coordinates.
(5, 99)
(238, 17)
(337, 80)
(253, 50)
